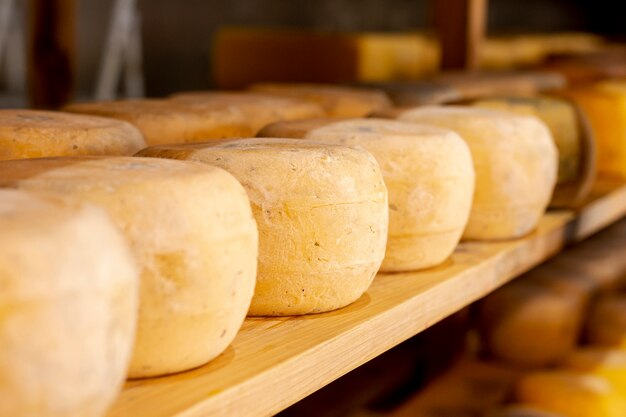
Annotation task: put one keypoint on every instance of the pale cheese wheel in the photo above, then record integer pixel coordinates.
(429, 176)
(605, 362)
(322, 216)
(258, 109)
(68, 307)
(529, 325)
(192, 232)
(572, 394)
(515, 160)
(606, 324)
(166, 121)
(36, 134)
(337, 101)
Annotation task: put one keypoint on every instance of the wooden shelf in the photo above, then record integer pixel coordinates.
(274, 362)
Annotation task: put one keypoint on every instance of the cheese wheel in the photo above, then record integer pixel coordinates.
(36, 134)
(337, 101)
(192, 232)
(429, 176)
(515, 160)
(559, 116)
(259, 110)
(606, 324)
(322, 217)
(166, 121)
(605, 106)
(68, 307)
(607, 363)
(528, 325)
(572, 394)
(521, 410)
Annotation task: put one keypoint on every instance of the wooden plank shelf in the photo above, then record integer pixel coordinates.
(274, 362)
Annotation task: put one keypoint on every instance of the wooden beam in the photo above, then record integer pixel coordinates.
(52, 50)
(461, 29)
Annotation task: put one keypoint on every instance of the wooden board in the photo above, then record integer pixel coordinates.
(274, 362)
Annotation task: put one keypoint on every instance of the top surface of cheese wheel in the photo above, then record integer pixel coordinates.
(168, 121)
(338, 101)
(35, 134)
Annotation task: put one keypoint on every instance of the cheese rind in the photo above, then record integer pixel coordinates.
(322, 216)
(68, 307)
(515, 161)
(193, 235)
(37, 134)
(429, 176)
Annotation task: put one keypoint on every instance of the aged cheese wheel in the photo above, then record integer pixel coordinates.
(521, 410)
(337, 101)
(258, 109)
(192, 232)
(572, 394)
(166, 121)
(529, 325)
(605, 106)
(515, 161)
(36, 134)
(428, 173)
(605, 362)
(322, 217)
(68, 307)
(606, 324)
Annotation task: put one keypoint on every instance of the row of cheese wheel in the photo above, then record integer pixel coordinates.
(322, 214)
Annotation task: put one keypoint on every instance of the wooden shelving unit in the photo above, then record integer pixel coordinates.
(274, 362)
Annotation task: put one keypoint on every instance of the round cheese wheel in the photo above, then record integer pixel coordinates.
(322, 217)
(192, 232)
(37, 134)
(606, 324)
(166, 121)
(607, 363)
(337, 101)
(258, 109)
(516, 166)
(68, 307)
(429, 176)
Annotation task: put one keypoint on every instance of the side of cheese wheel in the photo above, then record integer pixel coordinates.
(192, 232)
(515, 160)
(429, 176)
(528, 325)
(605, 106)
(258, 109)
(322, 217)
(606, 324)
(37, 134)
(68, 307)
(605, 362)
(572, 394)
(559, 116)
(166, 121)
(337, 101)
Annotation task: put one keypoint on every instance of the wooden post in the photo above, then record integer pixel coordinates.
(51, 52)
(460, 26)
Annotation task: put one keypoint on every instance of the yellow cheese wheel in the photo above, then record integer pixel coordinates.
(515, 160)
(322, 217)
(166, 121)
(258, 109)
(521, 410)
(606, 324)
(605, 106)
(528, 325)
(36, 134)
(337, 101)
(605, 362)
(572, 394)
(428, 173)
(68, 307)
(192, 232)
(560, 117)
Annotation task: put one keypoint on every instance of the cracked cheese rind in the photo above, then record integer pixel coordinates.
(322, 216)
(193, 235)
(515, 160)
(429, 176)
(68, 307)
(38, 134)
